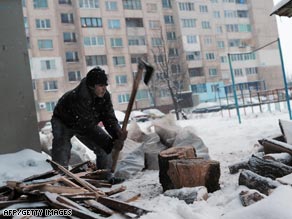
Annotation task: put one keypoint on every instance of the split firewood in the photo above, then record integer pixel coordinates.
(45, 175)
(121, 207)
(98, 183)
(283, 157)
(248, 197)
(195, 172)
(274, 146)
(127, 196)
(268, 168)
(254, 181)
(98, 174)
(234, 168)
(78, 179)
(99, 208)
(115, 191)
(165, 156)
(79, 167)
(63, 203)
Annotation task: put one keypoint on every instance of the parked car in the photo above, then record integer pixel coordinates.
(47, 128)
(154, 113)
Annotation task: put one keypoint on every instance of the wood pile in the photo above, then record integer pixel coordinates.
(265, 171)
(79, 192)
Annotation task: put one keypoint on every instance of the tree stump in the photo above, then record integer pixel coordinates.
(165, 156)
(195, 172)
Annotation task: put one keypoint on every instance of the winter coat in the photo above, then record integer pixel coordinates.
(80, 110)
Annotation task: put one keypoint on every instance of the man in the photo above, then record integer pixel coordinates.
(78, 113)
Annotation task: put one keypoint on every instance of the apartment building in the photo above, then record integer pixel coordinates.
(66, 38)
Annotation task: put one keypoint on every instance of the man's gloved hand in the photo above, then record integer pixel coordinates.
(119, 142)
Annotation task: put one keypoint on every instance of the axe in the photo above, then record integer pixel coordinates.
(147, 76)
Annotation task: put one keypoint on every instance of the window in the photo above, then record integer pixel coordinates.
(69, 37)
(114, 24)
(199, 88)
(170, 36)
(72, 56)
(242, 13)
(172, 52)
(238, 72)
(213, 72)
(135, 58)
(40, 4)
(223, 59)
(142, 94)
(123, 98)
(186, 6)
(134, 22)
(219, 29)
(230, 14)
(93, 41)
(45, 44)
(116, 42)
(88, 3)
(50, 85)
(96, 60)
(50, 106)
(166, 3)
(154, 24)
(65, 2)
(214, 1)
(196, 55)
(206, 25)
(189, 23)
(67, 18)
(196, 72)
(74, 76)
(91, 22)
(156, 41)
(121, 79)
(132, 4)
(168, 19)
(136, 41)
(232, 27)
(244, 28)
(158, 58)
(23, 3)
(208, 40)
(25, 21)
(175, 69)
(241, 2)
(250, 71)
(216, 14)
(151, 7)
(203, 8)
(220, 44)
(210, 56)
(119, 61)
(111, 6)
(164, 93)
(43, 23)
(191, 39)
(48, 65)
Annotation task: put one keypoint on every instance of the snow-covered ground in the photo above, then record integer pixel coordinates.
(228, 142)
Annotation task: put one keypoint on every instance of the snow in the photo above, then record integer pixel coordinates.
(228, 141)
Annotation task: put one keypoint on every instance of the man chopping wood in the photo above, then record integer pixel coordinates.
(78, 113)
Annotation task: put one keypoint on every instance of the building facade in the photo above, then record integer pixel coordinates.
(192, 38)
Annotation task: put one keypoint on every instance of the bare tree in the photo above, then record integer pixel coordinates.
(169, 73)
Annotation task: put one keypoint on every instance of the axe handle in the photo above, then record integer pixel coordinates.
(115, 153)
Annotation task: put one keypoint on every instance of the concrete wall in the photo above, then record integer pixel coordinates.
(18, 122)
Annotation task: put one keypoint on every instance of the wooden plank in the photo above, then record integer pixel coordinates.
(78, 179)
(99, 208)
(121, 207)
(115, 191)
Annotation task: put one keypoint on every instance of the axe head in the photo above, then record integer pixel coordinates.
(148, 70)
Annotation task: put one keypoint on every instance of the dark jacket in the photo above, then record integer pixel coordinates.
(80, 110)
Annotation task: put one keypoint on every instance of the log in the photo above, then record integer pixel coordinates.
(195, 172)
(248, 197)
(268, 168)
(274, 146)
(99, 208)
(234, 168)
(283, 157)
(254, 181)
(170, 154)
